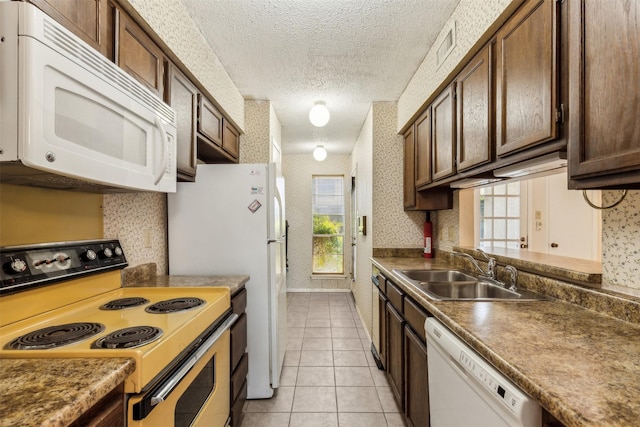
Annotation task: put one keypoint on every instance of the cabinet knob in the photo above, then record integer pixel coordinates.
(554, 245)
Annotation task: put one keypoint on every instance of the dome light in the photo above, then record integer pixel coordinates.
(319, 114)
(319, 153)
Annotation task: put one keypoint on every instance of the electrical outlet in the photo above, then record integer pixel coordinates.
(451, 231)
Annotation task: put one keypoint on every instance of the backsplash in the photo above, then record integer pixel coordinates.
(621, 243)
(139, 221)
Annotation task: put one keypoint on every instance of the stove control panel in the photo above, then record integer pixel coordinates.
(28, 266)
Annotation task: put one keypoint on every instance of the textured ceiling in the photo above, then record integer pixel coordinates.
(347, 53)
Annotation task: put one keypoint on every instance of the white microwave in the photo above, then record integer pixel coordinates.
(72, 119)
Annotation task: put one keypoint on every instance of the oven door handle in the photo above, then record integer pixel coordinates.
(175, 379)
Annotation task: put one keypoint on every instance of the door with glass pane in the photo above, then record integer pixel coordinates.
(503, 216)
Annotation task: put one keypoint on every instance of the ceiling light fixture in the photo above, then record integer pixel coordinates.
(319, 153)
(319, 114)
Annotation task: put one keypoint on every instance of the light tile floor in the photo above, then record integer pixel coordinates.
(329, 378)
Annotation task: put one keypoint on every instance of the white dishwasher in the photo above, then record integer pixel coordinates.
(466, 391)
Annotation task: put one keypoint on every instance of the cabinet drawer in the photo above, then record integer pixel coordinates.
(383, 283)
(415, 316)
(239, 302)
(239, 376)
(395, 296)
(238, 340)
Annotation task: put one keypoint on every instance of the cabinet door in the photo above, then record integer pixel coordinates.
(473, 107)
(443, 140)
(395, 353)
(423, 149)
(91, 20)
(409, 169)
(138, 55)
(183, 97)
(382, 311)
(209, 120)
(526, 75)
(416, 380)
(604, 137)
(230, 139)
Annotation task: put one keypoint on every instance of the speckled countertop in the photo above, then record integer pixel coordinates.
(234, 283)
(144, 275)
(55, 392)
(582, 365)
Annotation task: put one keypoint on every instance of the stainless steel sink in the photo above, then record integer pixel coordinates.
(459, 286)
(467, 290)
(437, 275)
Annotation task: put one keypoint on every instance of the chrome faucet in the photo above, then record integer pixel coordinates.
(513, 277)
(491, 263)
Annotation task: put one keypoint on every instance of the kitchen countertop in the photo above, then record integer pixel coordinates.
(583, 366)
(55, 392)
(234, 283)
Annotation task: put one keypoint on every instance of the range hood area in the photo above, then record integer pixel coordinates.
(547, 164)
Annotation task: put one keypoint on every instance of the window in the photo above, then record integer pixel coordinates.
(500, 216)
(328, 224)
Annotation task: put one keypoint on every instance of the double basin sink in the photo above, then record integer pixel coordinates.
(457, 285)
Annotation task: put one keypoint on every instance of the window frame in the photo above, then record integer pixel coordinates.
(342, 235)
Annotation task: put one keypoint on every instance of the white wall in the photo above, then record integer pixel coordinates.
(298, 170)
(362, 163)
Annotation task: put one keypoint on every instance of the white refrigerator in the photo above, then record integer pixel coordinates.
(231, 221)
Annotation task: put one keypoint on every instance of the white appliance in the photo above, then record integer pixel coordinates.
(231, 221)
(465, 390)
(70, 118)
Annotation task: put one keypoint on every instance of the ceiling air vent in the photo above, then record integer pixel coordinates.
(447, 44)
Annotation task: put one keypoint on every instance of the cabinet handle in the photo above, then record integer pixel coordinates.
(554, 245)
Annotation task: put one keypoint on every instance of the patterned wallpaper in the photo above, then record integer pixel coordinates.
(621, 242)
(255, 142)
(392, 226)
(472, 19)
(298, 170)
(139, 220)
(172, 23)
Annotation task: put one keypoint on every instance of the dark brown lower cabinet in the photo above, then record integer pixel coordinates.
(395, 352)
(416, 380)
(239, 357)
(382, 318)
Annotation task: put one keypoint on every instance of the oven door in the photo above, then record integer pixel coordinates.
(196, 393)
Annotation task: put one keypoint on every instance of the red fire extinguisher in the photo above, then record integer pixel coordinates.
(428, 234)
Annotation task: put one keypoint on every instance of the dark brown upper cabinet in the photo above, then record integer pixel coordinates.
(604, 94)
(473, 107)
(409, 174)
(218, 140)
(443, 134)
(230, 139)
(433, 199)
(423, 149)
(182, 95)
(91, 20)
(138, 54)
(526, 76)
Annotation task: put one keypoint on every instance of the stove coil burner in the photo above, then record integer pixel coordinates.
(133, 337)
(119, 304)
(173, 305)
(56, 336)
